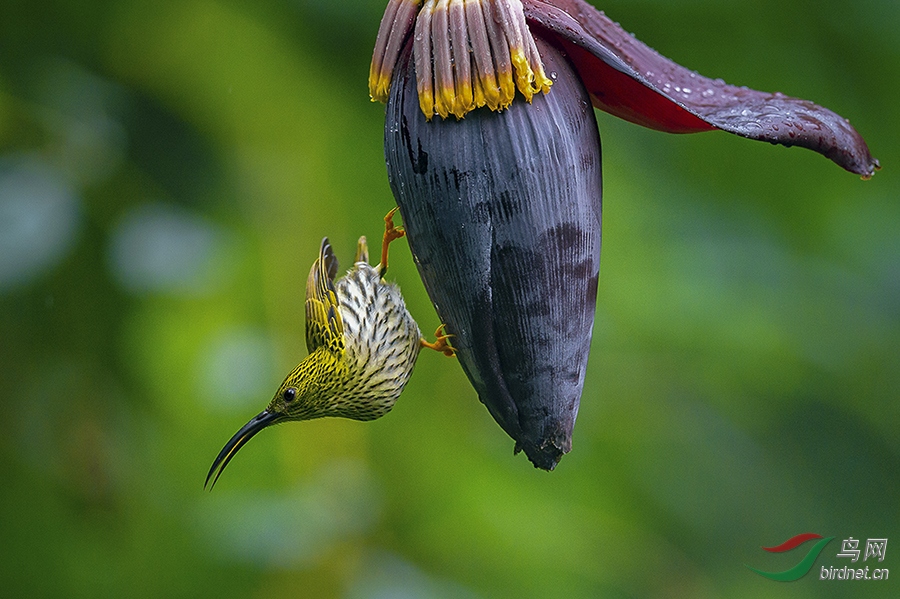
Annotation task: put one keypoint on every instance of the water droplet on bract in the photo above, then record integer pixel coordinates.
(719, 82)
(686, 90)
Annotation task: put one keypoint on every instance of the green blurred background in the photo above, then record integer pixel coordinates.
(167, 170)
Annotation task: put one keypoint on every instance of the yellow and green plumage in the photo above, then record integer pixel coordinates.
(362, 342)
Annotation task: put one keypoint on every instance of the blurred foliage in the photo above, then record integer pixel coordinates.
(167, 170)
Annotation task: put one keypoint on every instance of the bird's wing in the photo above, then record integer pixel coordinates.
(324, 326)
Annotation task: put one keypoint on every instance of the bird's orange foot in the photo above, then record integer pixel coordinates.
(440, 343)
(391, 232)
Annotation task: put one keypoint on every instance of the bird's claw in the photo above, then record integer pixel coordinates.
(440, 343)
(391, 232)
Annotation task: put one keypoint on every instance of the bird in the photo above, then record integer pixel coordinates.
(362, 343)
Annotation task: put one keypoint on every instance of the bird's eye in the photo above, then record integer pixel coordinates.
(289, 394)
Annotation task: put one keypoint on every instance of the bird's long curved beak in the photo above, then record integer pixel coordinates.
(256, 424)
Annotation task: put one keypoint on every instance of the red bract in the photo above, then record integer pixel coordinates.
(627, 78)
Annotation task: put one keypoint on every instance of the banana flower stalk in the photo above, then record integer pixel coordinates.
(493, 156)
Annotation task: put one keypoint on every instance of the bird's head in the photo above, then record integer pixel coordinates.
(306, 393)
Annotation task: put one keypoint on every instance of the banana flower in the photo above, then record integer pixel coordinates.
(493, 156)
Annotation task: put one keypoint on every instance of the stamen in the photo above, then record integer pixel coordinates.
(422, 54)
(479, 95)
(541, 82)
(445, 94)
(468, 54)
(510, 26)
(459, 42)
(396, 23)
(499, 53)
(487, 92)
